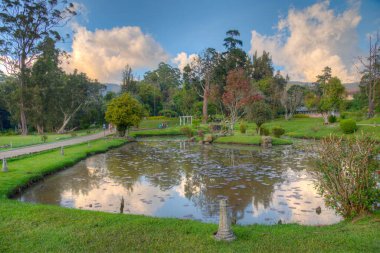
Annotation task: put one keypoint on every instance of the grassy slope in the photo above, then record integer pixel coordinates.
(41, 228)
(34, 167)
(20, 141)
(250, 140)
(314, 128)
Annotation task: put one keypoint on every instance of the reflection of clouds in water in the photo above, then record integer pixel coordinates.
(109, 195)
(294, 202)
(187, 181)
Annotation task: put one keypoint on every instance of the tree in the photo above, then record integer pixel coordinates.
(262, 66)
(260, 112)
(77, 92)
(167, 79)
(204, 69)
(371, 73)
(45, 81)
(325, 76)
(128, 83)
(150, 96)
(291, 99)
(24, 24)
(231, 42)
(184, 100)
(332, 97)
(124, 112)
(238, 93)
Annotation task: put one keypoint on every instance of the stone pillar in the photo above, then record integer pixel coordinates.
(62, 151)
(266, 141)
(224, 231)
(5, 167)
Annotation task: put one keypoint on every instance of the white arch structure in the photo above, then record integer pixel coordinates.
(183, 120)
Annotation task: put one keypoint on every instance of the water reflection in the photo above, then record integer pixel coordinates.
(186, 180)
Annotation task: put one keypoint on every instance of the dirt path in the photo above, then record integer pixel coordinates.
(52, 145)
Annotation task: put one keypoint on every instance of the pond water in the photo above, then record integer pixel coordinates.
(187, 180)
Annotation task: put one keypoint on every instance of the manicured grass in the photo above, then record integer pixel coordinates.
(152, 124)
(313, 128)
(250, 140)
(42, 228)
(21, 141)
(374, 120)
(28, 227)
(309, 128)
(156, 132)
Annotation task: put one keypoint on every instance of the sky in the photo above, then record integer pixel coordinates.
(303, 36)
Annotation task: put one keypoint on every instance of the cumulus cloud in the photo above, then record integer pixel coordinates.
(308, 40)
(182, 59)
(103, 54)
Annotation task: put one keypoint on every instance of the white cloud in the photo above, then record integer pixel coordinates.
(103, 54)
(181, 60)
(308, 40)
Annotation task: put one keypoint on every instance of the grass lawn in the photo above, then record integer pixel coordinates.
(250, 140)
(28, 227)
(21, 141)
(152, 124)
(156, 132)
(374, 120)
(315, 129)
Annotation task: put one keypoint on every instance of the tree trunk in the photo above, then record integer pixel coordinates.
(371, 108)
(205, 103)
(24, 126)
(40, 129)
(66, 120)
(325, 116)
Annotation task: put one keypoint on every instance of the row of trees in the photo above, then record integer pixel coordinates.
(53, 100)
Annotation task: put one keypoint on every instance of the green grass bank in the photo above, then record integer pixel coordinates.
(250, 140)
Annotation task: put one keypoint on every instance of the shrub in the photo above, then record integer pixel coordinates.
(156, 118)
(348, 126)
(301, 116)
(331, 118)
(358, 116)
(243, 127)
(200, 133)
(263, 131)
(44, 138)
(278, 131)
(345, 172)
(186, 130)
(168, 113)
(73, 134)
(315, 129)
(196, 123)
(260, 112)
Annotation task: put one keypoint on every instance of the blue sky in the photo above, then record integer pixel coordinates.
(191, 26)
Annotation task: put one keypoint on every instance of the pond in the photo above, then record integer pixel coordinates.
(187, 180)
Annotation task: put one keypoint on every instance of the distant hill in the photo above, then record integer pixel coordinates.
(350, 87)
(112, 87)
